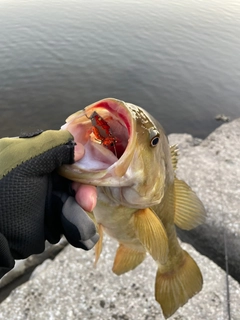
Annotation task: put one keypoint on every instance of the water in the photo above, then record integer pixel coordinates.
(177, 59)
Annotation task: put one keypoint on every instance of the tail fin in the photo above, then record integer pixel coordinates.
(174, 289)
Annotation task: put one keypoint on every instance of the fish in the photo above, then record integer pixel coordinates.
(140, 199)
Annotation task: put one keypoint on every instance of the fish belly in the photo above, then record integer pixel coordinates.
(118, 223)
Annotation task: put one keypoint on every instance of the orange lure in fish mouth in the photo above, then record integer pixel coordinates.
(106, 129)
(111, 131)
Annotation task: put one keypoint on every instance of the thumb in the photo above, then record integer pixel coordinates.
(78, 228)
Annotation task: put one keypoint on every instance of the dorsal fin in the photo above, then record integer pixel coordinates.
(189, 210)
(174, 156)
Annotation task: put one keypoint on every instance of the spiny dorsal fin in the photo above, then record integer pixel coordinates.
(98, 246)
(127, 259)
(189, 210)
(174, 156)
(151, 233)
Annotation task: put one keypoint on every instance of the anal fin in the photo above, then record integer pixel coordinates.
(174, 288)
(151, 233)
(127, 259)
(189, 210)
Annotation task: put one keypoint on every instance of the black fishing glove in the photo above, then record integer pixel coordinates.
(36, 204)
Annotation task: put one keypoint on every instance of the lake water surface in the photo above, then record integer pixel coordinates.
(178, 59)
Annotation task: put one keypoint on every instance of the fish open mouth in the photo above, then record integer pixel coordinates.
(105, 129)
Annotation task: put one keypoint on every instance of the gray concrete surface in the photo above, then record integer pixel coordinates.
(212, 168)
(70, 288)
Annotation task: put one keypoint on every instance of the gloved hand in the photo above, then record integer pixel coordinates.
(35, 202)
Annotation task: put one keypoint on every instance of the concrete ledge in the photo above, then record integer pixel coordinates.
(70, 288)
(212, 169)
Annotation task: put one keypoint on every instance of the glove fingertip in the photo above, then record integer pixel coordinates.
(88, 244)
(75, 220)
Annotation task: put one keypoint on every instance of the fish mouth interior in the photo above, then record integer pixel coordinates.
(104, 128)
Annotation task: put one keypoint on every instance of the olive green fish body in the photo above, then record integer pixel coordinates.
(140, 199)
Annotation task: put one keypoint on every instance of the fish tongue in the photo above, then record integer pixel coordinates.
(96, 157)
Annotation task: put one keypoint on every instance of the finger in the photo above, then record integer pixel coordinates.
(78, 151)
(86, 195)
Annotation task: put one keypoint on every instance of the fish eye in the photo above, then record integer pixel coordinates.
(154, 138)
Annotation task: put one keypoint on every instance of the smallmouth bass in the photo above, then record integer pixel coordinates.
(140, 199)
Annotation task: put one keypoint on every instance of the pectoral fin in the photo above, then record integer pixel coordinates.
(98, 246)
(127, 259)
(189, 210)
(151, 233)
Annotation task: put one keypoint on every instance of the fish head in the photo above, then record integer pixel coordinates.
(135, 166)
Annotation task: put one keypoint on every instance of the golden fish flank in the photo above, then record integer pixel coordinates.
(139, 197)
